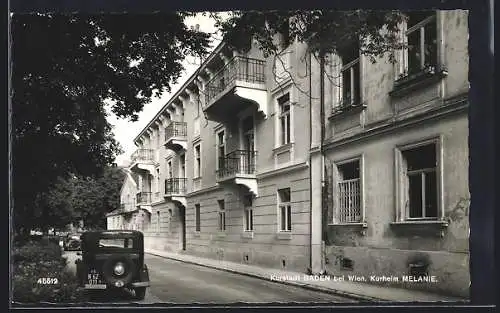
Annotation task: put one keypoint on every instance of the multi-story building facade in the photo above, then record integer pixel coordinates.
(364, 170)
(397, 159)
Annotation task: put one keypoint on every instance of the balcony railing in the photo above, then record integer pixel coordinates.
(238, 162)
(175, 129)
(176, 186)
(349, 201)
(238, 69)
(142, 155)
(144, 197)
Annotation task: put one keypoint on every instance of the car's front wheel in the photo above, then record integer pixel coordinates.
(140, 293)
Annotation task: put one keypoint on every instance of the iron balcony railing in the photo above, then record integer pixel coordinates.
(175, 129)
(239, 68)
(144, 197)
(237, 162)
(175, 186)
(142, 155)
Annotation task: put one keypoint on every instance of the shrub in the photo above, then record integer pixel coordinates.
(36, 260)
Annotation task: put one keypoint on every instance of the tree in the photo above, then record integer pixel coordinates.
(93, 198)
(64, 67)
(82, 198)
(324, 31)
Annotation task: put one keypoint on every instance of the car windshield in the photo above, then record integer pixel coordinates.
(116, 243)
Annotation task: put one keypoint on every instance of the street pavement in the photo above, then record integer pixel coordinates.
(177, 282)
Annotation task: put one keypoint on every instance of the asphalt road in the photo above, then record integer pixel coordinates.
(181, 283)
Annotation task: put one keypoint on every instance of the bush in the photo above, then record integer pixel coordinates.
(36, 260)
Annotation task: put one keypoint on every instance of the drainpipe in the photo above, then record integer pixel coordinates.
(322, 156)
(310, 164)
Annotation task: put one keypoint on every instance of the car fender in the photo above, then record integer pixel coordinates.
(144, 274)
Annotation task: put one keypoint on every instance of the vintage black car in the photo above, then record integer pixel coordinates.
(72, 242)
(113, 259)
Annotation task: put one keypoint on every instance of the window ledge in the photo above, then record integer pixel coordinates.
(410, 83)
(220, 234)
(284, 235)
(420, 227)
(359, 226)
(248, 234)
(347, 110)
(283, 148)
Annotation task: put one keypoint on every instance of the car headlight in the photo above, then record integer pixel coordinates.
(119, 269)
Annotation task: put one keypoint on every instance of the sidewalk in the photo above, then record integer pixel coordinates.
(357, 291)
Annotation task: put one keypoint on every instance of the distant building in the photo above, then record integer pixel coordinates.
(244, 164)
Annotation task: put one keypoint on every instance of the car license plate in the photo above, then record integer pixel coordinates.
(94, 281)
(96, 286)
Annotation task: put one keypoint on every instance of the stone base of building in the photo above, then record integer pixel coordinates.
(162, 243)
(268, 259)
(441, 272)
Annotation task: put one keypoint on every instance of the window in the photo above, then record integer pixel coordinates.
(350, 86)
(169, 169)
(197, 161)
(248, 216)
(222, 215)
(285, 210)
(197, 215)
(157, 221)
(157, 180)
(421, 39)
(182, 166)
(116, 243)
(284, 119)
(420, 182)
(348, 196)
(221, 149)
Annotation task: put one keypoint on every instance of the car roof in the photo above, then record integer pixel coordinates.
(112, 233)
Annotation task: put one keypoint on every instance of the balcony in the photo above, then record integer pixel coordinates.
(238, 167)
(238, 85)
(143, 160)
(175, 136)
(175, 190)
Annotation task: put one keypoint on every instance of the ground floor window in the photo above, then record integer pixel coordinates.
(157, 221)
(248, 216)
(197, 217)
(222, 215)
(348, 192)
(419, 181)
(284, 210)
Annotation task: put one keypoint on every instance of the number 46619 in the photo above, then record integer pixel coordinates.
(47, 281)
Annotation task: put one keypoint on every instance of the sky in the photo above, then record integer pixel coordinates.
(125, 131)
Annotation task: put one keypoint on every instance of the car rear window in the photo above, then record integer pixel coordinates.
(116, 243)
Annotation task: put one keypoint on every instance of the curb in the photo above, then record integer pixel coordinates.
(305, 286)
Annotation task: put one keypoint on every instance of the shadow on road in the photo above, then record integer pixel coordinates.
(111, 296)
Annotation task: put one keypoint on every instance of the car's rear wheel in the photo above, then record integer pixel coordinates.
(140, 293)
